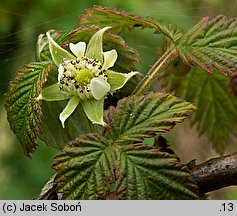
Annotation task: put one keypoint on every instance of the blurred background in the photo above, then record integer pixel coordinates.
(21, 21)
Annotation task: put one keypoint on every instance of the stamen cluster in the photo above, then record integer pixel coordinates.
(75, 76)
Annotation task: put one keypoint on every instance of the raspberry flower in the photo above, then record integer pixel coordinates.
(84, 77)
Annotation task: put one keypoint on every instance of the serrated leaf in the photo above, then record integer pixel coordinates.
(23, 111)
(146, 173)
(216, 113)
(211, 44)
(85, 168)
(93, 167)
(120, 20)
(138, 117)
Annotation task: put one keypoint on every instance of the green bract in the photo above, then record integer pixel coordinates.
(84, 77)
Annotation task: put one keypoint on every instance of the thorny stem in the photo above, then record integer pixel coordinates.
(154, 71)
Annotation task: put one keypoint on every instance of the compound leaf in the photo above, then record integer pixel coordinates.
(24, 113)
(211, 44)
(138, 117)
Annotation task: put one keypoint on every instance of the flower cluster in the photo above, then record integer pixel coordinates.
(84, 77)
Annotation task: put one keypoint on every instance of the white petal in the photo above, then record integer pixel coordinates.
(99, 88)
(110, 58)
(60, 72)
(78, 49)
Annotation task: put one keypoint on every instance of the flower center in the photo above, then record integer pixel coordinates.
(75, 76)
(83, 76)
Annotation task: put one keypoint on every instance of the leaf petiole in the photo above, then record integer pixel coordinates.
(154, 71)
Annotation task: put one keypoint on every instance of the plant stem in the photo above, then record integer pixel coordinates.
(154, 71)
(215, 173)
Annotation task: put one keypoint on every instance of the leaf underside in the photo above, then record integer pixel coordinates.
(217, 108)
(92, 167)
(24, 113)
(211, 44)
(216, 114)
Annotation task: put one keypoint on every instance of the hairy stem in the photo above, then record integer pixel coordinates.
(154, 71)
(215, 173)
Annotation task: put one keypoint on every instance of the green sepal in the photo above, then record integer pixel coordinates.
(94, 110)
(69, 109)
(118, 80)
(58, 54)
(95, 45)
(53, 93)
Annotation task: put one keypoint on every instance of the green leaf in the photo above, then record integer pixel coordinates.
(24, 112)
(120, 20)
(93, 167)
(146, 173)
(211, 44)
(138, 117)
(85, 168)
(216, 113)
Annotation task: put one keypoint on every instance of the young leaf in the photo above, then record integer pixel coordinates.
(217, 108)
(23, 110)
(85, 168)
(120, 20)
(146, 173)
(211, 44)
(138, 117)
